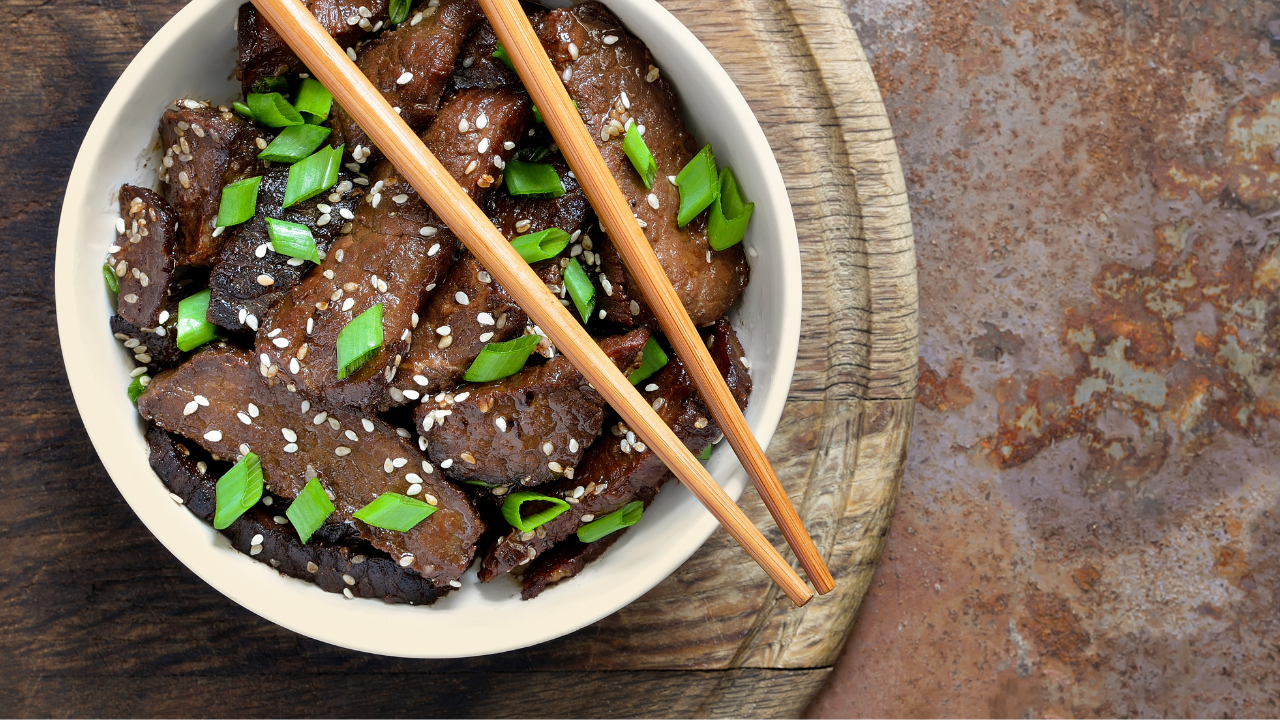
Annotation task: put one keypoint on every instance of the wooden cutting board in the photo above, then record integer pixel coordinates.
(100, 620)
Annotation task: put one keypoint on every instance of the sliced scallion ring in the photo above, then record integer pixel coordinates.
(136, 388)
(109, 276)
(293, 240)
(652, 359)
(580, 289)
(511, 510)
(242, 109)
(273, 84)
(501, 359)
(626, 516)
(237, 491)
(360, 340)
(314, 100)
(706, 452)
(542, 245)
(641, 158)
(538, 180)
(194, 328)
(393, 511)
(312, 176)
(309, 510)
(295, 143)
(239, 201)
(398, 12)
(272, 110)
(500, 53)
(698, 185)
(727, 223)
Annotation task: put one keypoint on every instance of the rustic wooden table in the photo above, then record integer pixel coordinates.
(100, 620)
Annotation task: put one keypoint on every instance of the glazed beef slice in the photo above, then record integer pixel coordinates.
(619, 468)
(249, 277)
(206, 149)
(526, 429)
(264, 54)
(394, 255)
(143, 255)
(562, 562)
(422, 52)
(614, 81)
(191, 474)
(218, 400)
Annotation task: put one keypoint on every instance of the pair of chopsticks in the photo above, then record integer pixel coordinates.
(327, 61)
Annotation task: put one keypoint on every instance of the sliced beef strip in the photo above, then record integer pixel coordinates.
(426, 52)
(476, 66)
(601, 75)
(521, 215)
(614, 470)
(206, 149)
(549, 415)
(356, 457)
(144, 261)
(387, 248)
(562, 562)
(152, 348)
(190, 473)
(264, 54)
(239, 299)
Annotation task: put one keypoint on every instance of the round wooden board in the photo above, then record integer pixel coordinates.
(841, 447)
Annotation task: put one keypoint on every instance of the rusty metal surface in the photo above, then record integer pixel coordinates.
(1090, 523)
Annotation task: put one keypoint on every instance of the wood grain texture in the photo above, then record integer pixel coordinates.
(99, 619)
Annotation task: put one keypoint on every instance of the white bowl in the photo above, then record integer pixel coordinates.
(193, 55)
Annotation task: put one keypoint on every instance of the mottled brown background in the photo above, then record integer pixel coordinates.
(1090, 520)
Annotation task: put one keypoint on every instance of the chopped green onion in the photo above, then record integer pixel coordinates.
(312, 176)
(273, 84)
(706, 452)
(314, 100)
(293, 240)
(580, 289)
(626, 516)
(393, 511)
(359, 340)
(652, 359)
(479, 483)
(194, 328)
(727, 224)
(641, 158)
(239, 201)
(501, 359)
(698, 186)
(242, 109)
(542, 245)
(308, 511)
(237, 491)
(537, 179)
(511, 510)
(295, 143)
(272, 110)
(136, 388)
(501, 53)
(398, 12)
(109, 275)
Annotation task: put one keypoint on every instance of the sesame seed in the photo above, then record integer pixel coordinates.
(255, 549)
(252, 322)
(204, 401)
(460, 397)
(463, 125)
(190, 408)
(523, 225)
(291, 448)
(333, 423)
(430, 499)
(289, 435)
(404, 78)
(567, 75)
(351, 435)
(137, 371)
(462, 298)
(606, 286)
(752, 252)
(573, 445)
(555, 466)
(468, 457)
(653, 201)
(443, 330)
(244, 448)
(348, 303)
(588, 518)
(446, 463)
(347, 591)
(213, 436)
(406, 560)
(266, 280)
(280, 342)
(486, 337)
(455, 584)
(471, 167)
(342, 451)
(610, 39)
(500, 423)
(432, 252)
(482, 122)
(573, 51)
(483, 146)
(399, 199)
(547, 448)
(175, 497)
(244, 418)
(348, 579)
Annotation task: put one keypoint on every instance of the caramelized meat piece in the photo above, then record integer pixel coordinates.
(520, 215)
(410, 66)
(209, 398)
(373, 574)
(563, 562)
(602, 75)
(144, 261)
(249, 277)
(155, 350)
(205, 150)
(476, 66)
(529, 428)
(264, 54)
(616, 469)
(395, 253)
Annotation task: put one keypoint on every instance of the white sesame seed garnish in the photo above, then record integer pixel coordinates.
(547, 448)
(462, 298)
(399, 462)
(348, 579)
(190, 407)
(252, 322)
(446, 463)
(606, 286)
(486, 337)
(443, 330)
(342, 451)
(653, 201)
(244, 418)
(555, 466)
(471, 167)
(752, 252)
(404, 78)
(213, 436)
(348, 303)
(482, 122)
(610, 39)
(567, 75)
(399, 199)
(291, 448)
(483, 146)
(463, 125)
(346, 592)
(289, 435)
(430, 499)
(432, 252)
(387, 467)
(244, 448)
(406, 561)
(280, 342)
(266, 280)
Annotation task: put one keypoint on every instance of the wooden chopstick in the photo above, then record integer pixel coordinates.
(558, 111)
(322, 56)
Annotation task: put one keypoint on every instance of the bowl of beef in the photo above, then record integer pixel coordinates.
(210, 355)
